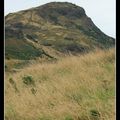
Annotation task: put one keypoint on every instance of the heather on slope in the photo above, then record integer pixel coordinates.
(52, 29)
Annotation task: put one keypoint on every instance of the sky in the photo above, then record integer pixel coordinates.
(102, 12)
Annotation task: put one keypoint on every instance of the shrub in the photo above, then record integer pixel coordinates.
(33, 91)
(94, 114)
(28, 80)
(12, 82)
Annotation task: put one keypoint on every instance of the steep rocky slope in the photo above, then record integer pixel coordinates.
(52, 30)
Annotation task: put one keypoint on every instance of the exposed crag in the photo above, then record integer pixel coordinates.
(52, 30)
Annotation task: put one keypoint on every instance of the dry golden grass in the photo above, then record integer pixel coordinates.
(74, 88)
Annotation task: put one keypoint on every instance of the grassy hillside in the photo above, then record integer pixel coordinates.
(73, 88)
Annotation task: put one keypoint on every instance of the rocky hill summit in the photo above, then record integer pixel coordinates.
(51, 30)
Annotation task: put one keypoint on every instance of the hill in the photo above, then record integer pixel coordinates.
(50, 31)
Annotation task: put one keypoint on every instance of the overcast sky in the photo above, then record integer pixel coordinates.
(102, 12)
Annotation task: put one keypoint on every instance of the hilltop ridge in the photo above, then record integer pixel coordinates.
(52, 30)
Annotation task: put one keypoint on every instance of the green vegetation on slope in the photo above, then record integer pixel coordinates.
(60, 27)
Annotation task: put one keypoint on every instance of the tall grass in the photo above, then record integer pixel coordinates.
(74, 88)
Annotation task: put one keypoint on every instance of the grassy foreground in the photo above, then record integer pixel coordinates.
(74, 88)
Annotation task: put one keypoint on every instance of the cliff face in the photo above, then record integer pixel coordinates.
(51, 30)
